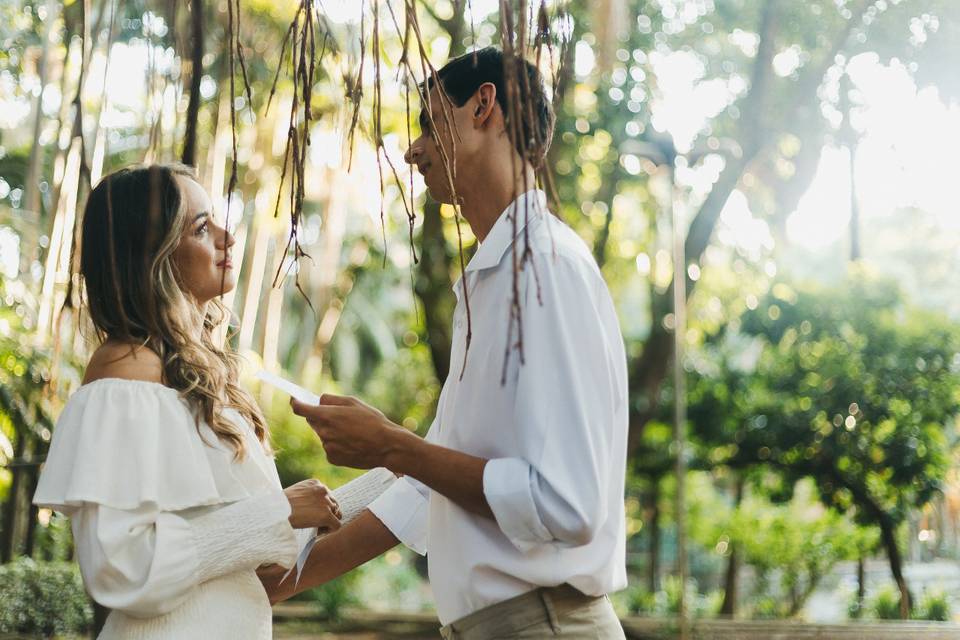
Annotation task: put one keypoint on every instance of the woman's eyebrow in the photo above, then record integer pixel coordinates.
(202, 214)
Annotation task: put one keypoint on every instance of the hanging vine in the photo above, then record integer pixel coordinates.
(523, 31)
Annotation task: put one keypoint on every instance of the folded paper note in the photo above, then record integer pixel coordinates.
(298, 392)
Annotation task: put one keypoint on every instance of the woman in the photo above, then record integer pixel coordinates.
(160, 458)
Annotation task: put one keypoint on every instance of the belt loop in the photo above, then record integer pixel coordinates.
(551, 611)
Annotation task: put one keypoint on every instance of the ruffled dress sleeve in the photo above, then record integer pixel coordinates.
(157, 508)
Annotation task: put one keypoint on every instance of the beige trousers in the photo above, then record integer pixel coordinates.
(554, 612)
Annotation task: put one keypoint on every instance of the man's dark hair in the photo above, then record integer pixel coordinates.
(462, 76)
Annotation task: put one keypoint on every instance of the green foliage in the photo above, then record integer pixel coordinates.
(791, 546)
(666, 601)
(855, 608)
(331, 598)
(934, 605)
(53, 537)
(850, 387)
(405, 388)
(43, 598)
(885, 603)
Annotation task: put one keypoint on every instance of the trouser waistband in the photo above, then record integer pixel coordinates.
(545, 604)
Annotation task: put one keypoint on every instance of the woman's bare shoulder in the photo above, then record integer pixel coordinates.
(123, 360)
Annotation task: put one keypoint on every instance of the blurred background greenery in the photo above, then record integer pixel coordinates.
(810, 147)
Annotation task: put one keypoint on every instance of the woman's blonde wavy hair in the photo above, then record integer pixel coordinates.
(132, 223)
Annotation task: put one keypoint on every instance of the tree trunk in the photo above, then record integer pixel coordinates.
(30, 534)
(861, 584)
(31, 186)
(196, 73)
(8, 540)
(653, 516)
(648, 372)
(729, 607)
(855, 249)
(889, 540)
(607, 193)
(800, 599)
(432, 285)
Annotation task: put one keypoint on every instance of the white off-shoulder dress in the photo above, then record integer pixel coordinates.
(169, 528)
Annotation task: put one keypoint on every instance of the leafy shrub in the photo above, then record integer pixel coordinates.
(332, 597)
(666, 601)
(855, 608)
(640, 601)
(933, 605)
(766, 608)
(885, 604)
(43, 598)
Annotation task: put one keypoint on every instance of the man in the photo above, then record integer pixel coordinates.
(517, 490)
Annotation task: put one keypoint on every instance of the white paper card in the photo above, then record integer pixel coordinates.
(298, 392)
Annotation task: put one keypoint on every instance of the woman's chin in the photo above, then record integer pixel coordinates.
(218, 287)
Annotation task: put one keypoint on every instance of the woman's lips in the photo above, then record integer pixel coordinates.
(226, 264)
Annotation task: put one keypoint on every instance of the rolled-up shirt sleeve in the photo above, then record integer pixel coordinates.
(146, 562)
(403, 509)
(555, 489)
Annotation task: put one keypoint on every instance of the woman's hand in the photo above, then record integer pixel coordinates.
(311, 505)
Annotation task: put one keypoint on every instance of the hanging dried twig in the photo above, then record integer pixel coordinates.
(300, 39)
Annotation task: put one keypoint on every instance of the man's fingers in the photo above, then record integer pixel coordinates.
(330, 399)
(301, 408)
(320, 413)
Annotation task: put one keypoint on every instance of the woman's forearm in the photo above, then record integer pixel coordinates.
(332, 556)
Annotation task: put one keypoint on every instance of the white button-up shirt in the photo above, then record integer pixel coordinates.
(555, 434)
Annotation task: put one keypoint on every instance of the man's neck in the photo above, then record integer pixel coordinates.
(483, 201)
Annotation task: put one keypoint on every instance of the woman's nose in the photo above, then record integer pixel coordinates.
(226, 239)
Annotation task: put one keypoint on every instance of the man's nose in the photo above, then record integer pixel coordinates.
(410, 157)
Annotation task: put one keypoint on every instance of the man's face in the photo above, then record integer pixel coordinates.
(446, 131)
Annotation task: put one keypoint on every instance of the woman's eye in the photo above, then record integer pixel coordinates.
(203, 228)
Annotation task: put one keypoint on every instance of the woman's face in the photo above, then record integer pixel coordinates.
(203, 255)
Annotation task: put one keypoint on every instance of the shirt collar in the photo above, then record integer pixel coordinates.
(501, 235)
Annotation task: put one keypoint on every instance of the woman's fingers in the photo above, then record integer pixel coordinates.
(334, 507)
(330, 522)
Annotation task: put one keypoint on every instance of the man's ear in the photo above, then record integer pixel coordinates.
(484, 102)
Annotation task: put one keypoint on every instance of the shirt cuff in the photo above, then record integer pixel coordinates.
(506, 485)
(403, 510)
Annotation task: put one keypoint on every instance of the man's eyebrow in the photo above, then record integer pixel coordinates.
(424, 121)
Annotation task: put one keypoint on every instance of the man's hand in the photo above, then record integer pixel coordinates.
(278, 589)
(354, 434)
(357, 435)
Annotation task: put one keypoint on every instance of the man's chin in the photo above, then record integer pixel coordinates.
(440, 195)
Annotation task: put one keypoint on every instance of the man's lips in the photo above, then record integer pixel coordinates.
(423, 168)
